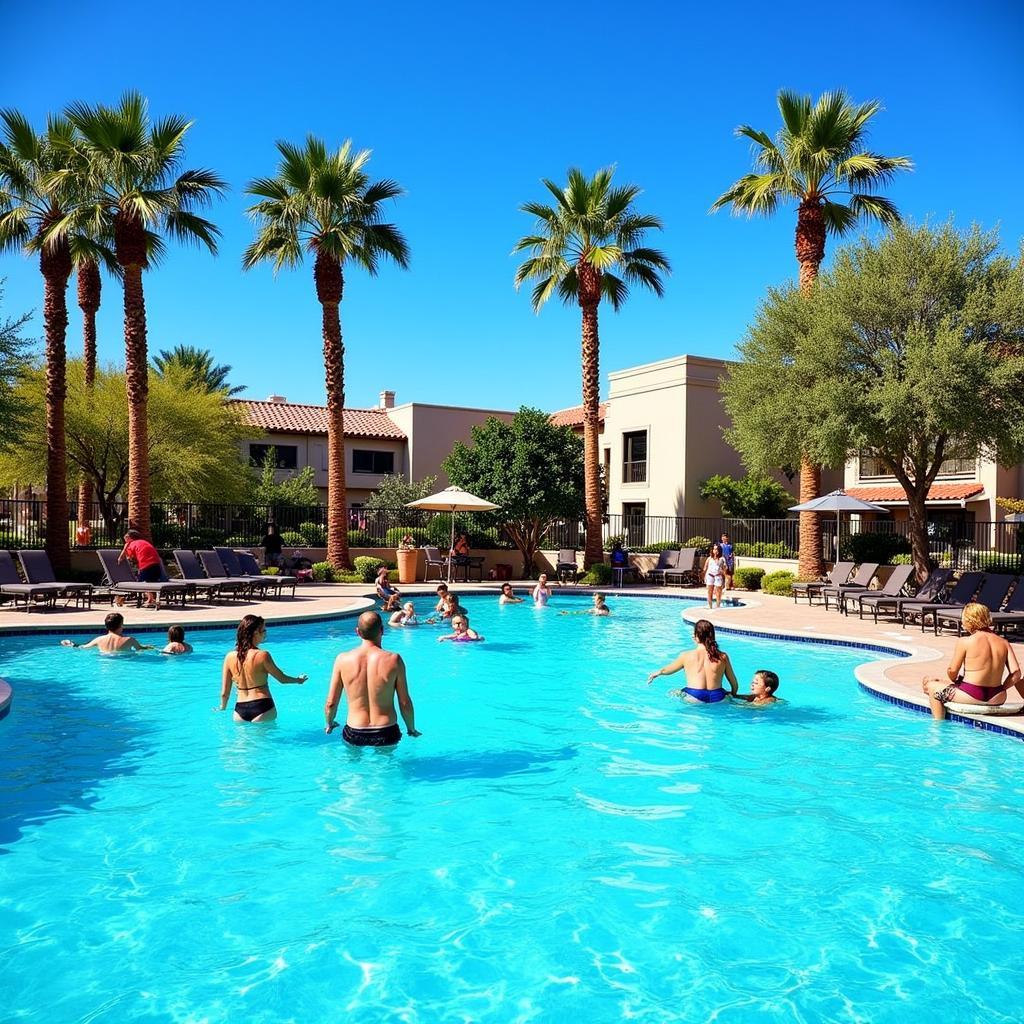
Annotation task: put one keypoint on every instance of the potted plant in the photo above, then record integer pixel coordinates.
(408, 559)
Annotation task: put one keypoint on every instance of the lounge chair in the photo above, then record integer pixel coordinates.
(260, 583)
(963, 590)
(191, 570)
(215, 570)
(875, 599)
(566, 565)
(1012, 613)
(810, 588)
(861, 581)
(992, 595)
(120, 578)
(435, 561)
(33, 594)
(930, 592)
(667, 561)
(37, 569)
(250, 567)
(685, 570)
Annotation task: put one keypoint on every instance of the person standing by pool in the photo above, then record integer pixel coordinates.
(250, 670)
(371, 679)
(975, 673)
(273, 545)
(146, 558)
(714, 575)
(705, 666)
(542, 592)
(113, 641)
(729, 554)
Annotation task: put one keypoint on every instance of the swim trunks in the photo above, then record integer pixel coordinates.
(247, 710)
(150, 574)
(705, 696)
(381, 736)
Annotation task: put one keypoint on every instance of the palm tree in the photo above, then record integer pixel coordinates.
(324, 203)
(141, 192)
(817, 160)
(199, 366)
(590, 233)
(41, 185)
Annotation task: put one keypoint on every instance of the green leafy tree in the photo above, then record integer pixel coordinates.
(529, 467)
(298, 490)
(589, 247)
(199, 367)
(910, 349)
(139, 194)
(324, 204)
(753, 497)
(13, 365)
(194, 440)
(395, 492)
(817, 160)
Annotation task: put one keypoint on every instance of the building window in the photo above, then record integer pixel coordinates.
(634, 457)
(962, 467)
(372, 462)
(286, 456)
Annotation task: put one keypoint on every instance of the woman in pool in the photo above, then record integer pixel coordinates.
(599, 608)
(508, 595)
(715, 569)
(542, 592)
(705, 666)
(250, 670)
(463, 634)
(176, 643)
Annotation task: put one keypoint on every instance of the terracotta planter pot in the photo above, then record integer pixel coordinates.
(408, 562)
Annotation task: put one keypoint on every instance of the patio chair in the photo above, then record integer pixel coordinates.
(875, 599)
(810, 588)
(667, 561)
(685, 569)
(260, 584)
(992, 595)
(120, 578)
(861, 581)
(566, 565)
(435, 561)
(250, 567)
(1012, 613)
(963, 590)
(930, 592)
(215, 570)
(37, 569)
(33, 594)
(192, 571)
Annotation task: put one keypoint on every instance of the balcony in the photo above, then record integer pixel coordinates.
(634, 472)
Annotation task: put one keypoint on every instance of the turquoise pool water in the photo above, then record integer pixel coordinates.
(562, 842)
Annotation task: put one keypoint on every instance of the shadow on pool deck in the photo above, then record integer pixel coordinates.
(56, 750)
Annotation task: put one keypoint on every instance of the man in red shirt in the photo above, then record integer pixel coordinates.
(145, 556)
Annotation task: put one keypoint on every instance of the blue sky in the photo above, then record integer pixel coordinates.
(469, 106)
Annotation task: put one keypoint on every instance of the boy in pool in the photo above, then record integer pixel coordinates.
(405, 616)
(762, 689)
(176, 642)
(113, 641)
(462, 634)
(600, 608)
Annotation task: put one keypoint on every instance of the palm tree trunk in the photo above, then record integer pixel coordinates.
(810, 251)
(136, 372)
(329, 285)
(56, 267)
(89, 291)
(594, 550)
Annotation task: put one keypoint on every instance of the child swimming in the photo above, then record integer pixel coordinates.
(176, 642)
(762, 689)
(600, 608)
(405, 616)
(462, 634)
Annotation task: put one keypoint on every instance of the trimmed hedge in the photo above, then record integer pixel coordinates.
(763, 549)
(599, 575)
(778, 583)
(323, 572)
(420, 534)
(367, 568)
(875, 547)
(702, 544)
(748, 577)
(314, 533)
(292, 539)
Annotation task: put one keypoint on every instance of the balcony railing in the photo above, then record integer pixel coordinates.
(872, 468)
(634, 472)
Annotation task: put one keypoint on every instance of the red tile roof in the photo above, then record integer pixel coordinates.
(574, 417)
(937, 492)
(291, 418)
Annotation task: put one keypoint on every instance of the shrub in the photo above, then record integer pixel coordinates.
(902, 559)
(875, 547)
(419, 534)
(237, 541)
(292, 539)
(358, 539)
(367, 567)
(779, 583)
(702, 544)
(347, 577)
(600, 575)
(763, 549)
(748, 577)
(657, 547)
(204, 539)
(271, 570)
(392, 575)
(609, 542)
(323, 572)
(314, 535)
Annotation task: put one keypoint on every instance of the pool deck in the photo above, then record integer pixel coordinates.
(895, 679)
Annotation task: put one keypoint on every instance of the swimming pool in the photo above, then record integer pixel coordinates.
(562, 841)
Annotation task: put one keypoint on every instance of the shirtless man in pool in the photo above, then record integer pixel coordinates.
(975, 674)
(705, 667)
(113, 641)
(371, 678)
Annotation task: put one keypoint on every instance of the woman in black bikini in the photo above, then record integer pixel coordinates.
(250, 669)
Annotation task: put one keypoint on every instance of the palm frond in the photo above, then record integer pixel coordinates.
(191, 229)
(615, 290)
(839, 218)
(872, 207)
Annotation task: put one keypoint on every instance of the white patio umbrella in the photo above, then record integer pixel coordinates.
(453, 499)
(837, 501)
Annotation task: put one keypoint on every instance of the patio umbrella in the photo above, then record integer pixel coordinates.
(837, 501)
(453, 499)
